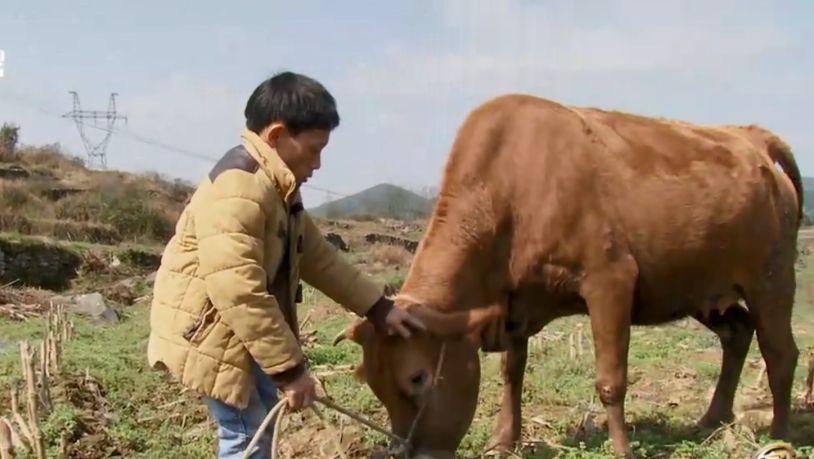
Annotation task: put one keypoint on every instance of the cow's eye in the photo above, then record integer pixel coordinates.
(417, 383)
(418, 378)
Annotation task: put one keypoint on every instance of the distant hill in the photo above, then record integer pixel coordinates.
(808, 195)
(384, 200)
(808, 187)
(390, 201)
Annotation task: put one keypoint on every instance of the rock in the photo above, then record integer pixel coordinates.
(150, 279)
(123, 291)
(337, 241)
(90, 304)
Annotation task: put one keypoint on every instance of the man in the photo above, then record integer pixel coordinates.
(223, 319)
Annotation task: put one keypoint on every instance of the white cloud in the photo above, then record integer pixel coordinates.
(510, 44)
(623, 35)
(702, 61)
(402, 98)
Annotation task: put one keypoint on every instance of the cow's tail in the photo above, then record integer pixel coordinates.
(780, 152)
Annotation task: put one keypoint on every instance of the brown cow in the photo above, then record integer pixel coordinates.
(547, 211)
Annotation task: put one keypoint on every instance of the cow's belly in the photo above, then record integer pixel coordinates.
(664, 300)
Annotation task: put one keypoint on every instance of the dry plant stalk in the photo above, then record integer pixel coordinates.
(808, 398)
(65, 331)
(56, 336)
(6, 440)
(579, 339)
(26, 357)
(575, 339)
(18, 418)
(63, 447)
(45, 388)
(760, 375)
(45, 350)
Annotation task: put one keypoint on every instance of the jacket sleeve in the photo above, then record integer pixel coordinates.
(230, 231)
(325, 269)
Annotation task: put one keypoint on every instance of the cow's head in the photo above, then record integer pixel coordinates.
(438, 370)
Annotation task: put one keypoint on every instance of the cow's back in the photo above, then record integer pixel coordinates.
(700, 208)
(672, 181)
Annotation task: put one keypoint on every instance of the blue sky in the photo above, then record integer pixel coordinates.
(404, 74)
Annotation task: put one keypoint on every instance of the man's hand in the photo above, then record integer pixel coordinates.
(400, 321)
(389, 319)
(301, 392)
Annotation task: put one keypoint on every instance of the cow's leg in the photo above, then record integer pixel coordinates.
(771, 307)
(507, 431)
(609, 297)
(735, 330)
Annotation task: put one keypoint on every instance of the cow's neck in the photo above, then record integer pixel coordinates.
(454, 267)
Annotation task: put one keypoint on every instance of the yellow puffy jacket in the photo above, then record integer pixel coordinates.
(225, 289)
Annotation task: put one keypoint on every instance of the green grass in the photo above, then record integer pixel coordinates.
(138, 424)
(672, 371)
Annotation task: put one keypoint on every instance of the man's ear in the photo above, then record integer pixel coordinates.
(271, 134)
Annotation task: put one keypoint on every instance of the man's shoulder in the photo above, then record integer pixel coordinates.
(236, 176)
(237, 158)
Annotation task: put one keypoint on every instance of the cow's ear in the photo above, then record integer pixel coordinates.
(359, 332)
(458, 323)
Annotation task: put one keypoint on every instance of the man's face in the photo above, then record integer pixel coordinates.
(301, 152)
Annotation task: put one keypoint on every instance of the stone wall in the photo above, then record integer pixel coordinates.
(376, 238)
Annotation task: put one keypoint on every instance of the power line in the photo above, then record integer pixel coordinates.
(192, 154)
(155, 143)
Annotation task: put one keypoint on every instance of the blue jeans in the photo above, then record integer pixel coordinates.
(236, 427)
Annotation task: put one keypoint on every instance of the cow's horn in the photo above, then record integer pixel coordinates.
(342, 336)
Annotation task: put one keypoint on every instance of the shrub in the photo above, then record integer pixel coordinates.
(390, 255)
(14, 197)
(83, 207)
(131, 215)
(50, 157)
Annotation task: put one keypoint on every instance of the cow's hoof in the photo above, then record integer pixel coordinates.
(498, 448)
(714, 420)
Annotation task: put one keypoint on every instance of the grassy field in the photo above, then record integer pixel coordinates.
(136, 412)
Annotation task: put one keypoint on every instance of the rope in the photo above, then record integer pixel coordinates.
(281, 406)
(360, 419)
(263, 426)
(278, 426)
(438, 367)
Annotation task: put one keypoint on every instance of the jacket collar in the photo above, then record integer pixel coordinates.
(272, 165)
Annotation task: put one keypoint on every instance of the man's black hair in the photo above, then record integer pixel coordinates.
(297, 101)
